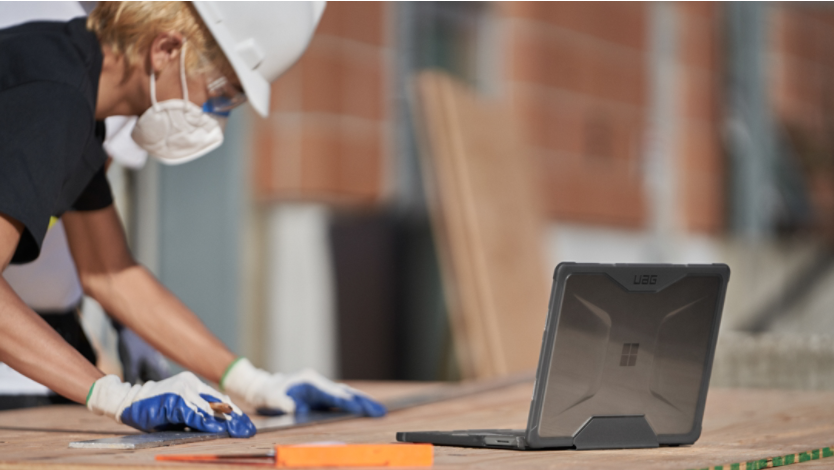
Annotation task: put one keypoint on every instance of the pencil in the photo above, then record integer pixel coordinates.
(221, 407)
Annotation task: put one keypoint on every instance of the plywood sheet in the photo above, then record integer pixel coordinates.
(489, 224)
(739, 426)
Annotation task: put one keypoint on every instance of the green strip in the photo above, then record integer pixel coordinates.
(780, 461)
(89, 393)
(226, 372)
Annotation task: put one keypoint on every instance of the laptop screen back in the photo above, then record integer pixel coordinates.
(620, 352)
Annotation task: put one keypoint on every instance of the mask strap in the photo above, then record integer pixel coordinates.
(153, 88)
(182, 72)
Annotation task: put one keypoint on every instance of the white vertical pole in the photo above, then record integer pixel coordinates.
(662, 149)
(751, 132)
(301, 320)
(146, 218)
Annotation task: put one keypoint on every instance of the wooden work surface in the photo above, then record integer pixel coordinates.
(739, 425)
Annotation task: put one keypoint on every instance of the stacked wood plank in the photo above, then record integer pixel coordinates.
(488, 223)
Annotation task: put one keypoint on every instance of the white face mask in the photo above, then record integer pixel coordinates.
(177, 131)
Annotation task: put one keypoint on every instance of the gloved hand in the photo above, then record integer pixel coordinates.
(140, 361)
(298, 393)
(182, 400)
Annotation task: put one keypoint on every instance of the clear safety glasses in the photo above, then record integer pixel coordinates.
(223, 97)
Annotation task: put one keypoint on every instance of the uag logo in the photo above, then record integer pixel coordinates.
(645, 279)
(629, 356)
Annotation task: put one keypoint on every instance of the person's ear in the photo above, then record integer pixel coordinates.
(165, 49)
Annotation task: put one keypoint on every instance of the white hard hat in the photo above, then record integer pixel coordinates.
(262, 40)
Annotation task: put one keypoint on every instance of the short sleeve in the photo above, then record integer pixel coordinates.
(96, 195)
(44, 127)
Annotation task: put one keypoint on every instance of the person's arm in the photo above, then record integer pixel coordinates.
(134, 297)
(28, 344)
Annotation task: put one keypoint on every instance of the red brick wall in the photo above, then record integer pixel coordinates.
(327, 135)
(701, 164)
(802, 88)
(801, 59)
(576, 75)
(577, 79)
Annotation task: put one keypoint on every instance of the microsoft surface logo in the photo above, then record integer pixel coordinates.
(629, 356)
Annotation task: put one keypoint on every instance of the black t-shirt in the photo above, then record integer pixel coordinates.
(51, 158)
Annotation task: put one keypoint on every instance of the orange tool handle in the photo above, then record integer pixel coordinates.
(354, 455)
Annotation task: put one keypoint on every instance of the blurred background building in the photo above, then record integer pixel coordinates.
(661, 132)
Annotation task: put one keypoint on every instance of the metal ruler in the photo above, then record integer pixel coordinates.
(170, 438)
(267, 424)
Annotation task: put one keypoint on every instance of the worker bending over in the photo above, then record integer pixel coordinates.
(181, 68)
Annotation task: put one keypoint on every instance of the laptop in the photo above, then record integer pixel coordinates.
(625, 361)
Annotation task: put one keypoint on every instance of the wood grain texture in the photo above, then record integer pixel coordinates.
(489, 225)
(739, 426)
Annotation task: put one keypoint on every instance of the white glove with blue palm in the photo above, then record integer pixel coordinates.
(294, 393)
(174, 403)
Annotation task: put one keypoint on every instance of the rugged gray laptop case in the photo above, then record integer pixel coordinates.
(626, 359)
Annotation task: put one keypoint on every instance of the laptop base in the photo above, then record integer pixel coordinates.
(600, 432)
(492, 438)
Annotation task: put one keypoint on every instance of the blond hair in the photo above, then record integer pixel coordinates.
(129, 28)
